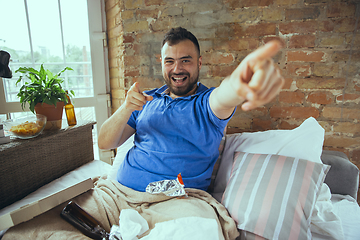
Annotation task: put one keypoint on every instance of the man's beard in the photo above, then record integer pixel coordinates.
(184, 90)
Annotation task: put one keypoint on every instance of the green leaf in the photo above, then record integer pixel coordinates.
(43, 87)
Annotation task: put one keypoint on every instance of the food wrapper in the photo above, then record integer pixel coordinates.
(171, 188)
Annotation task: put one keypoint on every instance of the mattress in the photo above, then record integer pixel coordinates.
(88, 170)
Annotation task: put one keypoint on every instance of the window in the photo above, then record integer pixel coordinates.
(58, 34)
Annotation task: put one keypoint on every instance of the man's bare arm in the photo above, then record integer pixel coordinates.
(257, 80)
(115, 130)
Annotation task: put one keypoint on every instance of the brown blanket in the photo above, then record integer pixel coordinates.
(107, 198)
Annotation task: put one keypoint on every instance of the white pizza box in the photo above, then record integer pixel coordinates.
(25, 211)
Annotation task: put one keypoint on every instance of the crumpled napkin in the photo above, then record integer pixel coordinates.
(132, 225)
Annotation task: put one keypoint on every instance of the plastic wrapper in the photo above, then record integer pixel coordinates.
(171, 188)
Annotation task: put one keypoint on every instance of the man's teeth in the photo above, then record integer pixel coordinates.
(179, 78)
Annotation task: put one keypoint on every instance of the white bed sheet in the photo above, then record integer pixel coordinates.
(88, 170)
(348, 210)
(345, 207)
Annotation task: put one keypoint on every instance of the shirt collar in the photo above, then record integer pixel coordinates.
(164, 90)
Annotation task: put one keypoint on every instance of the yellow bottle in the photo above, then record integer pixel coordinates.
(70, 111)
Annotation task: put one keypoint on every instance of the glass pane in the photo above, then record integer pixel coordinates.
(77, 42)
(16, 43)
(45, 31)
(2, 117)
(46, 39)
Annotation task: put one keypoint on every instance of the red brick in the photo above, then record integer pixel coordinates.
(356, 157)
(302, 41)
(132, 60)
(343, 56)
(146, 13)
(294, 112)
(222, 71)
(305, 56)
(298, 27)
(346, 127)
(302, 13)
(341, 141)
(338, 113)
(268, 39)
(241, 123)
(321, 83)
(326, 26)
(132, 72)
(287, 125)
(357, 88)
(261, 29)
(288, 83)
(154, 2)
(298, 69)
(348, 97)
(314, 1)
(158, 57)
(140, 49)
(340, 9)
(261, 125)
(233, 4)
(344, 25)
(218, 58)
(291, 97)
(223, 30)
(128, 38)
(326, 69)
(146, 82)
(320, 97)
(236, 44)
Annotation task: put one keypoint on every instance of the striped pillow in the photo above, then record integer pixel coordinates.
(273, 196)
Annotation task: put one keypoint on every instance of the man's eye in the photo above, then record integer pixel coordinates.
(186, 61)
(169, 62)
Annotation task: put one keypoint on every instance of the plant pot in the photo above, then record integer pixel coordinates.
(53, 114)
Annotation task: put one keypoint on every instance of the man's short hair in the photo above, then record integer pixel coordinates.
(176, 35)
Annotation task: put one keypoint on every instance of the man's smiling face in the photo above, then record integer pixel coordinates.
(181, 64)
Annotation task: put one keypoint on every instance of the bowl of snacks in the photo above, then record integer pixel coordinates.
(26, 127)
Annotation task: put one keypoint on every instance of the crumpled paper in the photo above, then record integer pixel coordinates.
(171, 188)
(132, 225)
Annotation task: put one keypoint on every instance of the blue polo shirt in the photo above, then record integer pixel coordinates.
(173, 136)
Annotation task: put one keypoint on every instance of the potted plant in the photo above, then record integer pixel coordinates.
(43, 93)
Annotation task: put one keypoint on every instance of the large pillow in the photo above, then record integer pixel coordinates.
(273, 196)
(305, 142)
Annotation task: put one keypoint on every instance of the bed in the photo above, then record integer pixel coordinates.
(273, 183)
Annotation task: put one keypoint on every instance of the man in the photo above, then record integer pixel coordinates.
(180, 125)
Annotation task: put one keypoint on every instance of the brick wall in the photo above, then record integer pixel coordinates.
(317, 36)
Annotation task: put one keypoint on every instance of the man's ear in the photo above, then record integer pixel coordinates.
(200, 62)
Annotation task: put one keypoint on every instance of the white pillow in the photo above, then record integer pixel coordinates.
(119, 158)
(305, 142)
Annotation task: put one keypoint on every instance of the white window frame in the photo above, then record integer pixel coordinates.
(100, 73)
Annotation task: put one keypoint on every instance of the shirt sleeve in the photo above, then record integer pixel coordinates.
(132, 120)
(220, 123)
